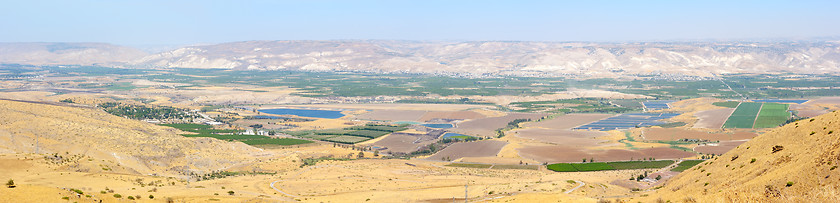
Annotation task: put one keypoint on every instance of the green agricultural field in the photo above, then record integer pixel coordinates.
(772, 115)
(727, 104)
(562, 167)
(743, 116)
(685, 165)
(597, 166)
(280, 141)
(604, 166)
(640, 164)
(208, 131)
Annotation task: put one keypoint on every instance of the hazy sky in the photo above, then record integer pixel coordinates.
(202, 21)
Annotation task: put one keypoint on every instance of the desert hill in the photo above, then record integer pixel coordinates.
(794, 163)
(509, 58)
(70, 134)
(44, 53)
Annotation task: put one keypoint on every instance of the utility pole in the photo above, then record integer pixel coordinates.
(465, 192)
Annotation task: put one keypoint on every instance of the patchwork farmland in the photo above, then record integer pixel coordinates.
(772, 115)
(627, 121)
(758, 115)
(743, 116)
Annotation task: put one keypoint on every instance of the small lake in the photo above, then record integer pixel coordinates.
(438, 125)
(455, 135)
(304, 112)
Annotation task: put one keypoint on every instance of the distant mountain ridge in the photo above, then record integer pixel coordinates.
(490, 57)
(50, 53)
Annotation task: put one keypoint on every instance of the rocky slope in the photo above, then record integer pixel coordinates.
(512, 58)
(140, 147)
(795, 163)
(67, 53)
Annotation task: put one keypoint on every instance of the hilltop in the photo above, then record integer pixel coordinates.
(72, 135)
(794, 163)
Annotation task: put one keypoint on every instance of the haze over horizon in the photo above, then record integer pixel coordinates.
(145, 23)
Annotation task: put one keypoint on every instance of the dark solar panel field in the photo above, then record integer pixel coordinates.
(627, 121)
(657, 104)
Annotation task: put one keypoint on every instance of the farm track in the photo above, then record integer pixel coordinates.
(756, 115)
(573, 189)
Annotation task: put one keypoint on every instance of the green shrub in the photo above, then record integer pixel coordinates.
(789, 183)
(117, 196)
(131, 197)
(151, 197)
(752, 160)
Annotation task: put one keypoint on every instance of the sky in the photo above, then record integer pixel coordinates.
(174, 22)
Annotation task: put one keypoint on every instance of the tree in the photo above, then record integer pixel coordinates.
(591, 160)
(584, 160)
(376, 153)
(230, 192)
(10, 184)
(658, 177)
(361, 155)
(151, 197)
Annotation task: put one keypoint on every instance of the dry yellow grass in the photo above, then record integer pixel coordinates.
(806, 160)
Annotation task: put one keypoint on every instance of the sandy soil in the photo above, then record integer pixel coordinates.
(718, 148)
(672, 134)
(450, 115)
(554, 154)
(470, 149)
(712, 119)
(405, 142)
(568, 121)
(392, 115)
(487, 126)
(560, 136)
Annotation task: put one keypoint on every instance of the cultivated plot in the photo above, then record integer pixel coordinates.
(713, 119)
(470, 149)
(487, 126)
(743, 116)
(758, 115)
(674, 134)
(772, 115)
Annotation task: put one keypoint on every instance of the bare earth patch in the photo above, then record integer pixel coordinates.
(554, 154)
(718, 148)
(488, 126)
(672, 134)
(470, 149)
(713, 119)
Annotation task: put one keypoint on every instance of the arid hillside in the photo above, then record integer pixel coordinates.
(794, 163)
(71, 134)
(67, 53)
(509, 58)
